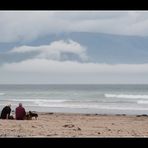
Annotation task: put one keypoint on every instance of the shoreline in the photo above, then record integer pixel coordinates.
(50, 124)
(91, 114)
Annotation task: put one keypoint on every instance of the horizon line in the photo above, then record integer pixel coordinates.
(74, 84)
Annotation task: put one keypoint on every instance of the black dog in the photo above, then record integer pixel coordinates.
(30, 115)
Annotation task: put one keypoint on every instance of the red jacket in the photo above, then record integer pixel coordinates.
(20, 113)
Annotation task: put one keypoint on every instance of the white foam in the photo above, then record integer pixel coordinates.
(142, 102)
(1, 94)
(126, 96)
(33, 100)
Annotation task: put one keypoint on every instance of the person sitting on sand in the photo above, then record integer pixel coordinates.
(5, 114)
(20, 112)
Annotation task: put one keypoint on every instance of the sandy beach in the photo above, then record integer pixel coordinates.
(76, 125)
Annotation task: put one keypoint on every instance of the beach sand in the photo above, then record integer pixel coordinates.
(76, 125)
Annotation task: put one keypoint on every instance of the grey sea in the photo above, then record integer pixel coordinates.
(100, 99)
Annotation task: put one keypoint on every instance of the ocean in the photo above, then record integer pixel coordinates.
(99, 99)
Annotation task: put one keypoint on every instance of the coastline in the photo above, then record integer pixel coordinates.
(50, 124)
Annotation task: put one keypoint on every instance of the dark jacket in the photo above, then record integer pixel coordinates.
(5, 112)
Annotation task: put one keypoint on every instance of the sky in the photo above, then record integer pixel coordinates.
(66, 61)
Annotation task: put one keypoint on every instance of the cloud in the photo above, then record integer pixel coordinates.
(28, 25)
(45, 65)
(56, 50)
(67, 61)
(51, 71)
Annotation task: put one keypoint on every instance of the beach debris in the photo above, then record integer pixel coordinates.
(52, 135)
(143, 115)
(108, 129)
(120, 114)
(19, 136)
(99, 133)
(77, 129)
(69, 125)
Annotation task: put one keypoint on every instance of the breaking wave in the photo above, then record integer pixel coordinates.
(126, 96)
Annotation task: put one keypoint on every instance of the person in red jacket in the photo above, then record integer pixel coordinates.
(20, 112)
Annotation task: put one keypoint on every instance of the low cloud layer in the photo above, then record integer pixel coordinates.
(45, 65)
(49, 71)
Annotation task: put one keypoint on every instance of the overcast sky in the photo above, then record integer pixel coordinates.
(27, 25)
(46, 66)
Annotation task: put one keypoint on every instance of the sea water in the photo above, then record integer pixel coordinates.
(100, 99)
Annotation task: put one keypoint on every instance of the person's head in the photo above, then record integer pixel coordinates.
(20, 104)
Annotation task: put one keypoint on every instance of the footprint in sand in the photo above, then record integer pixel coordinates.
(69, 125)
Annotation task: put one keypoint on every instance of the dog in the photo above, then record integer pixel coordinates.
(30, 115)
